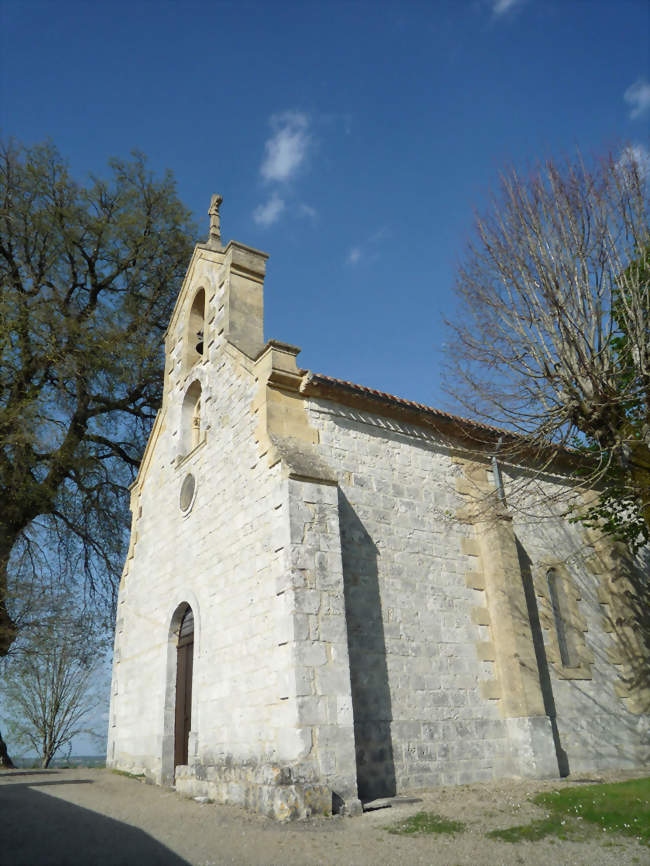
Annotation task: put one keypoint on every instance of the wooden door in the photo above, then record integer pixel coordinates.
(183, 717)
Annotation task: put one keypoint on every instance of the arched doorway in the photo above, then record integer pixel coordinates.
(183, 708)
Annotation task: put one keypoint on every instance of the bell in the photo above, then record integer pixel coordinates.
(199, 345)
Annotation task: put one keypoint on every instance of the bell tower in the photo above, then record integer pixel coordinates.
(213, 648)
(221, 301)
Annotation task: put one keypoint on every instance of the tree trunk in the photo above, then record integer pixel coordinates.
(640, 475)
(7, 633)
(8, 629)
(5, 761)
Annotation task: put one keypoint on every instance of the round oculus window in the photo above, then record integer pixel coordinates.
(188, 489)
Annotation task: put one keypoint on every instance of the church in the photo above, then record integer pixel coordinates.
(328, 598)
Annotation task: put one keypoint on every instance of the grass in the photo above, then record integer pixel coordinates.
(554, 825)
(426, 822)
(619, 807)
(128, 775)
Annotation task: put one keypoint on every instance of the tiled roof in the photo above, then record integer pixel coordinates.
(314, 380)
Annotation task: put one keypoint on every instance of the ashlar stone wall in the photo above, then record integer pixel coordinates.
(597, 726)
(443, 658)
(271, 709)
(420, 717)
(219, 558)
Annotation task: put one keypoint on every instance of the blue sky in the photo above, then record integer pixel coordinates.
(350, 140)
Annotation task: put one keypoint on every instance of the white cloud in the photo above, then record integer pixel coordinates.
(379, 235)
(354, 255)
(306, 210)
(370, 248)
(286, 149)
(267, 214)
(637, 154)
(638, 96)
(500, 7)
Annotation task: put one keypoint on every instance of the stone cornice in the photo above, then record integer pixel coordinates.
(474, 436)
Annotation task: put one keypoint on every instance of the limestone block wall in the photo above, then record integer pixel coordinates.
(455, 675)
(596, 726)
(316, 643)
(420, 715)
(223, 558)
(271, 708)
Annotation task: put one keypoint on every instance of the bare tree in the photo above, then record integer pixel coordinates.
(52, 677)
(552, 334)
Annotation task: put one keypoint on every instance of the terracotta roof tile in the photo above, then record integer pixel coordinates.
(316, 379)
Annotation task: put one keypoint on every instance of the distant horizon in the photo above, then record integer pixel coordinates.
(35, 755)
(17, 759)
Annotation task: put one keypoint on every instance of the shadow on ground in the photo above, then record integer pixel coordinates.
(44, 830)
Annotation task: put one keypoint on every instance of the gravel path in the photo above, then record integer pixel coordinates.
(97, 818)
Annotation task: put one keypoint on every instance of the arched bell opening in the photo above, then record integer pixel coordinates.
(191, 418)
(195, 331)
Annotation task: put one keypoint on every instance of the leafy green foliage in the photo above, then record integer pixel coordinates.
(624, 506)
(617, 513)
(88, 278)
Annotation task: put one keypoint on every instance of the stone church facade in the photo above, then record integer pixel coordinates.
(314, 609)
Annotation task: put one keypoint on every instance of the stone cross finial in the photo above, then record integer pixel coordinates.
(215, 220)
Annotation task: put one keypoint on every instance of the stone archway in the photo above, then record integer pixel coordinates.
(183, 692)
(183, 639)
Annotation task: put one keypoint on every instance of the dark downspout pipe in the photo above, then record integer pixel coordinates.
(498, 480)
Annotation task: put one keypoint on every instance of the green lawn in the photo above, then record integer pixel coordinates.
(620, 807)
(138, 776)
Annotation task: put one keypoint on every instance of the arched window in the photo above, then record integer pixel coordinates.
(191, 418)
(195, 332)
(557, 596)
